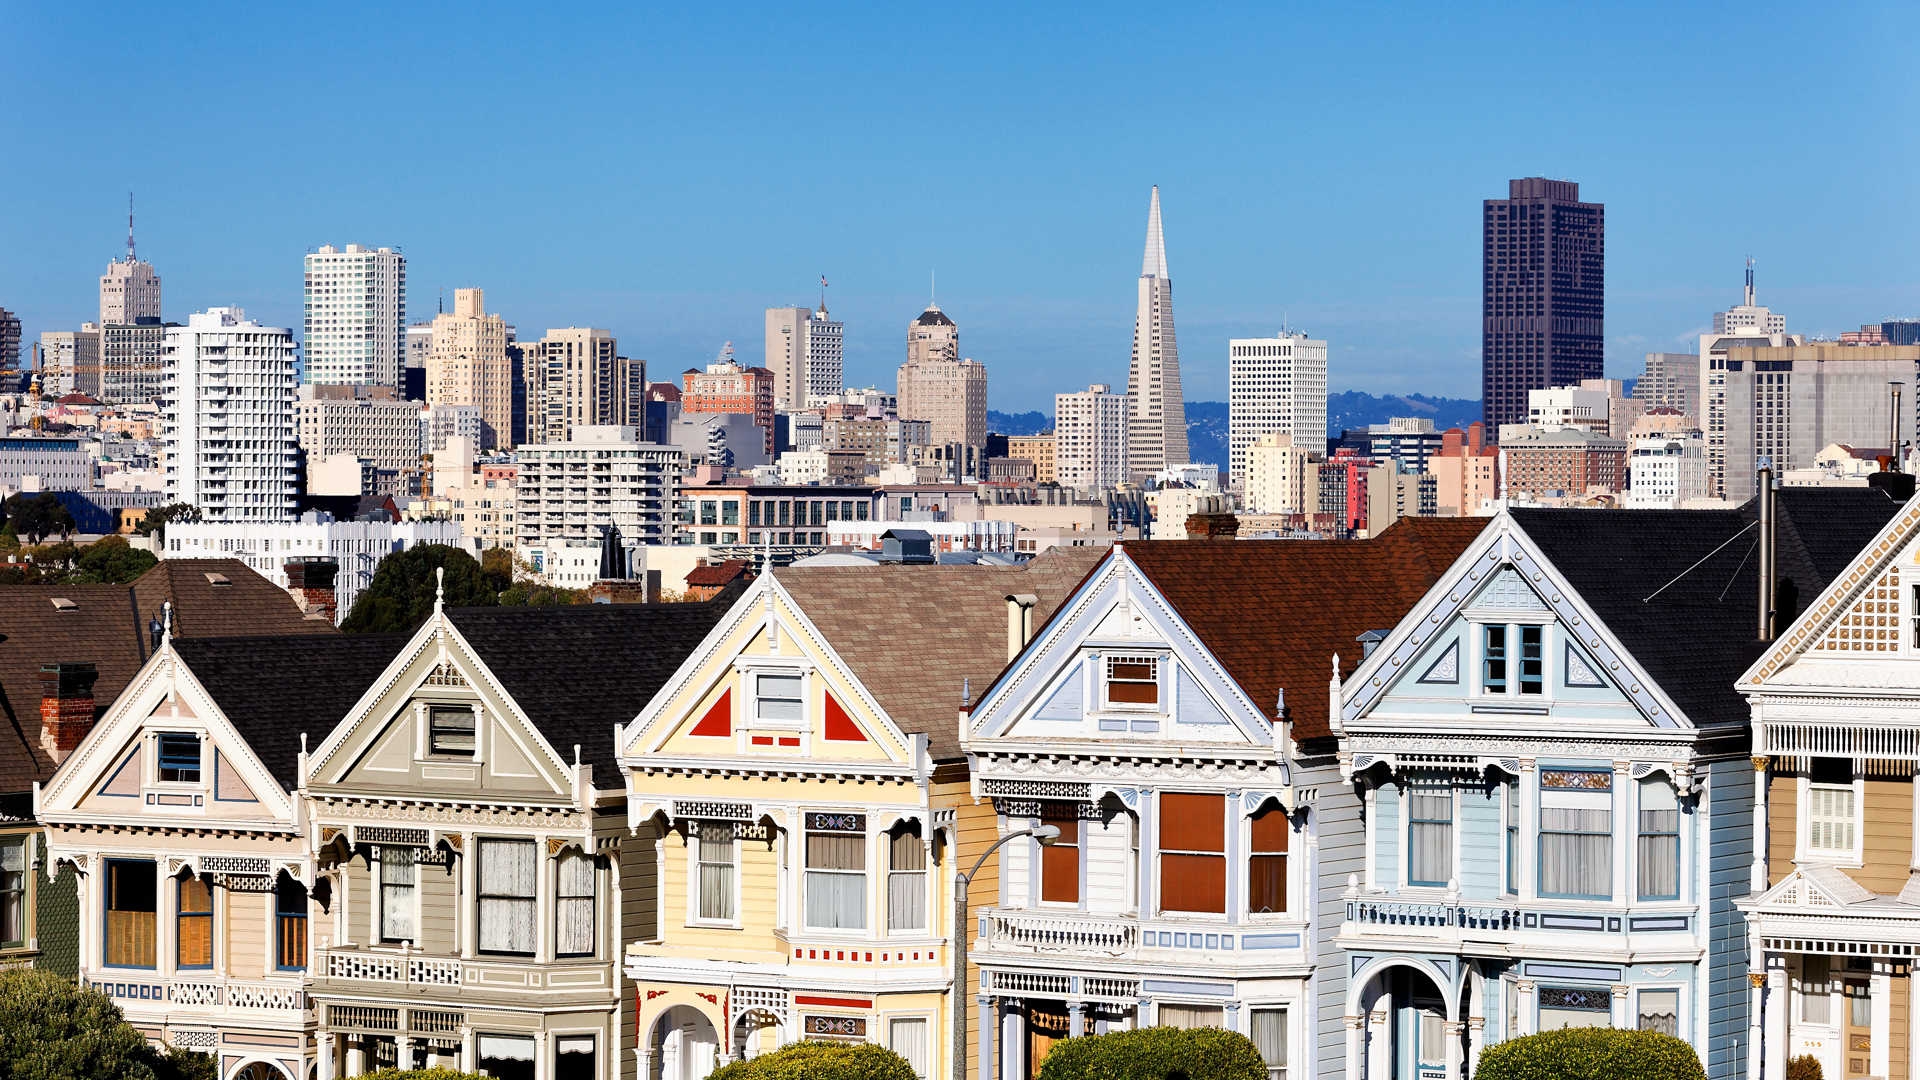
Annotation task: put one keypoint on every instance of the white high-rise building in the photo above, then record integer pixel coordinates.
(228, 439)
(805, 354)
(129, 290)
(602, 476)
(69, 362)
(1746, 324)
(356, 324)
(1157, 424)
(1274, 385)
(1090, 433)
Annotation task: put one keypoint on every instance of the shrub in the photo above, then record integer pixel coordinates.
(821, 1061)
(1158, 1053)
(53, 1029)
(1591, 1054)
(1804, 1067)
(441, 1073)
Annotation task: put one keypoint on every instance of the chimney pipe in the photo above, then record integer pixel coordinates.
(1893, 428)
(66, 707)
(1019, 622)
(1766, 552)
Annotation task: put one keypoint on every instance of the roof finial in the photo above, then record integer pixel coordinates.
(439, 588)
(166, 622)
(933, 290)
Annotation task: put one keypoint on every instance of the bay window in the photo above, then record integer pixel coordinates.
(13, 891)
(714, 857)
(1659, 853)
(906, 880)
(573, 915)
(836, 871)
(509, 873)
(1659, 1010)
(1831, 807)
(289, 924)
(1267, 862)
(1576, 834)
(193, 924)
(1270, 1036)
(132, 887)
(399, 876)
(1060, 861)
(1430, 835)
(1193, 853)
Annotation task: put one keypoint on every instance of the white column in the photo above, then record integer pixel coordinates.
(543, 891)
(1620, 1019)
(543, 1059)
(1777, 1034)
(1757, 883)
(1757, 1034)
(1356, 1045)
(468, 1062)
(1880, 991)
(985, 1019)
(1380, 1040)
(1013, 1045)
(1528, 1018)
(356, 1057)
(1076, 1019)
(1529, 840)
(1623, 887)
(1476, 1018)
(468, 915)
(1451, 1032)
(403, 1050)
(326, 1051)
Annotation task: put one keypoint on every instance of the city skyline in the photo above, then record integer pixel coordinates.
(1038, 264)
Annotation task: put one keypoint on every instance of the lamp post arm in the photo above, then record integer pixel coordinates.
(960, 932)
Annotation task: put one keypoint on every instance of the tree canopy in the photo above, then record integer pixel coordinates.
(54, 1029)
(107, 561)
(401, 594)
(36, 517)
(160, 517)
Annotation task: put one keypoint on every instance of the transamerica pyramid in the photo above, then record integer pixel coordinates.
(1157, 413)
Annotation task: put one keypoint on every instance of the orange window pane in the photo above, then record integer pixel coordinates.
(1193, 822)
(1193, 883)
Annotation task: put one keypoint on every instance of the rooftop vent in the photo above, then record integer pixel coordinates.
(61, 603)
(217, 579)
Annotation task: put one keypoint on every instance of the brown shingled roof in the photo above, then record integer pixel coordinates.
(1275, 612)
(717, 574)
(917, 636)
(107, 627)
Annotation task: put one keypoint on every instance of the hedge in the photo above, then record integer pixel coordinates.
(1158, 1053)
(821, 1061)
(437, 1073)
(1591, 1054)
(52, 1028)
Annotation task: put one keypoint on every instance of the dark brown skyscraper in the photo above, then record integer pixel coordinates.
(1544, 295)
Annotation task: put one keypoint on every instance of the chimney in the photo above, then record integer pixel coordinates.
(1893, 428)
(1019, 622)
(1212, 527)
(66, 707)
(1477, 436)
(1766, 553)
(311, 583)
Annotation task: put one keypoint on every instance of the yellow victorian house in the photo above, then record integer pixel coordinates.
(810, 807)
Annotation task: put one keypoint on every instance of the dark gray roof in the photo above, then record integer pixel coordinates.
(274, 689)
(578, 671)
(1694, 628)
(933, 316)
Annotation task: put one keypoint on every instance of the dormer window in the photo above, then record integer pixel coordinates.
(1133, 682)
(450, 731)
(179, 757)
(1513, 659)
(777, 699)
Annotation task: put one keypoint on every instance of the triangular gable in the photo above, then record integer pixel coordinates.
(1503, 572)
(766, 633)
(112, 774)
(1052, 691)
(1857, 616)
(384, 742)
(1813, 890)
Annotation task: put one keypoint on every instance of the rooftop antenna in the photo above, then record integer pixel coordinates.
(1749, 281)
(823, 293)
(129, 226)
(933, 293)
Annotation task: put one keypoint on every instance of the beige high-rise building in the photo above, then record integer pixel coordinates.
(576, 379)
(1090, 438)
(1038, 449)
(805, 354)
(129, 291)
(468, 365)
(69, 362)
(944, 390)
(1281, 478)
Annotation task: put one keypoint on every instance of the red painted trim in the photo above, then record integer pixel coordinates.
(839, 726)
(718, 723)
(834, 1002)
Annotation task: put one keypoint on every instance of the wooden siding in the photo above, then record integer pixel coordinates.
(1483, 841)
(975, 827)
(640, 885)
(249, 943)
(361, 929)
(1728, 803)
(440, 907)
(1340, 840)
(1897, 1041)
(1886, 836)
(1783, 803)
(1386, 839)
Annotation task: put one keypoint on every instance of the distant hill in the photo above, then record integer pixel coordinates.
(1207, 420)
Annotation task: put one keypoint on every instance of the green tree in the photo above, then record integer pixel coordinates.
(499, 566)
(821, 1061)
(1591, 1054)
(400, 596)
(158, 518)
(528, 594)
(110, 561)
(37, 517)
(53, 1029)
(1158, 1053)
(423, 1074)
(181, 1064)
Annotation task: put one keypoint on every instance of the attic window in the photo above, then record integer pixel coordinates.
(450, 731)
(61, 603)
(217, 579)
(1133, 681)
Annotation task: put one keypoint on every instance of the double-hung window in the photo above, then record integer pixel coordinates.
(907, 1036)
(906, 880)
(1513, 659)
(1659, 1010)
(450, 731)
(1133, 682)
(1831, 808)
(1270, 1037)
(1060, 861)
(1659, 849)
(193, 924)
(399, 877)
(1493, 660)
(13, 891)
(1267, 863)
(715, 853)
(1193, 853)
(776, 698)
(1532, 659)
(1430, 834)
(289, 924)
(509, 872)
(1576, 833)
(132, 889)
(836, 871)
(573, 916)
(179, 757)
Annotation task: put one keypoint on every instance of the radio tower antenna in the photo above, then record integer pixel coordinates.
(129, 226)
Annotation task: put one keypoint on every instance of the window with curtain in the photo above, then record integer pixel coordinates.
(1532, 663)
(573, 1055)
(573, 916)
(1060, 861)
(906, 880)
(1190, 1017)
(1193, 853)
(1267, 862)
(1830, 807)
(1493, 660)
(1816, 989)
(399, 876)
(1659, 854)
(1575, 1007)
(509, 877)
(836, 872)
(289, 924)
(1659, 1010)
(13, 891)
(1433, 1037)
(714, 851)
(1270, 1036)
(1510, 809)
(1576, 833)
(776, 698)
(193, 924)
(132, 895)
(450, 731)
(1429, 835)
(907, 1036)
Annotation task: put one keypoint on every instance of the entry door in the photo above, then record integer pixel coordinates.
(1856, 1027)
(1046, 1025)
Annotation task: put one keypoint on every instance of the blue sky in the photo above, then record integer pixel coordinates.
(669, 173)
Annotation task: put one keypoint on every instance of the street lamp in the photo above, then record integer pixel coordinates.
(1046, 834)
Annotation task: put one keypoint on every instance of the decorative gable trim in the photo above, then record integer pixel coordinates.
(1445, 668)
(718, 723)
(837, 726)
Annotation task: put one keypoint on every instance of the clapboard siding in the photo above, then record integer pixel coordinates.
(1339, 849)
(1482, 841)
(1386, 837)
(1728, 801)
(1783, 802)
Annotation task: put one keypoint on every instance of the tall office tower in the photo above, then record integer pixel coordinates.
(1786, 403)
(356, 330)
(574, 378)
(804, 352)
(1671, 381)
(1274, 385)
(372, 423)
(69, 362)
(949, 393)
(129, 290)
(228, 440)
(131, 368)
(1090, 432)
(1544, 297)
(468, 366)
(1746, 324)
(1157, 421)
(9, 340)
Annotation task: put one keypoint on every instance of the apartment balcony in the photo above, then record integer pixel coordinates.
(1501, 927)
(354, 971)
(185, 994)
(1090, 937)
